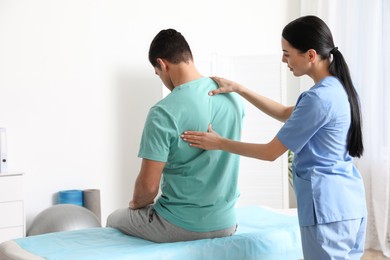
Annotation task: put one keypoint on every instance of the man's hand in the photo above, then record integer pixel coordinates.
(147, 183)
(133, 205)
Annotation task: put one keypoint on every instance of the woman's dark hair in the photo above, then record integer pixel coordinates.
(171, 45)
(310, 32)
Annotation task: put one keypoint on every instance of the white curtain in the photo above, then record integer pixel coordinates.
(361, 30)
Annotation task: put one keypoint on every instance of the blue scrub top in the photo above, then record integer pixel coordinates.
(327, 185)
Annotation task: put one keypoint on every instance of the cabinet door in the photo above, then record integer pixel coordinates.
(12, 220)
(11, 188)
(11, 214)
(11, 233)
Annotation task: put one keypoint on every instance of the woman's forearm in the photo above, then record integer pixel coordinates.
(268, 152)
(210, 140)
(267, 105)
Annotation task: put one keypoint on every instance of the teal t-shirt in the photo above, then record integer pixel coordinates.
(199, 188)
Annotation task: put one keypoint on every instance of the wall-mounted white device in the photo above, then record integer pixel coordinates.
(3, 150)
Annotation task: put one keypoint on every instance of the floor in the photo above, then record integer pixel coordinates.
(374, 255)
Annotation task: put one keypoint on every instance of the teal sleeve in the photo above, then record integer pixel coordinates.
(158, 135)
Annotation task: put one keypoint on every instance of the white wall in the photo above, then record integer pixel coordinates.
(76, 85)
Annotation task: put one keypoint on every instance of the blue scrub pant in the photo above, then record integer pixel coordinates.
(336, 240)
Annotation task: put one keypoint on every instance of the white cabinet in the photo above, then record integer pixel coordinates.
(12, 215)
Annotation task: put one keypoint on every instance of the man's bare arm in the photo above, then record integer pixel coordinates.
(147, 183)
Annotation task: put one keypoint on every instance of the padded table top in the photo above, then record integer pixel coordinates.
(261, 234)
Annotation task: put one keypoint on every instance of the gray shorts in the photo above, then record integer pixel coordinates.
(146, 224)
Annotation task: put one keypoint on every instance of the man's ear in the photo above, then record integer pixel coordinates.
(312, 55)
(162, 63)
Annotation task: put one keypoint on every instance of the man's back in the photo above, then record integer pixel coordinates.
(199, 188)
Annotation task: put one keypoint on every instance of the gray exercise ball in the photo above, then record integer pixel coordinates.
(63, 217)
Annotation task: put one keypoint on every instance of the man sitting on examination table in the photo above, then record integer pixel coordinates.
(199, 188)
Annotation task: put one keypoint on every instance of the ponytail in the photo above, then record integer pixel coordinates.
(339, 68)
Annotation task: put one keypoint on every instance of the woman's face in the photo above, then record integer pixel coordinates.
(296, 61)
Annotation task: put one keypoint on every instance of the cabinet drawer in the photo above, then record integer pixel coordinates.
(11, 233)
(11, 188)
(11, 214)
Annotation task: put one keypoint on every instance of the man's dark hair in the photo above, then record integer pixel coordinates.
(171, 45)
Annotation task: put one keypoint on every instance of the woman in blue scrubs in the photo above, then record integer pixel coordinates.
(323, 130)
